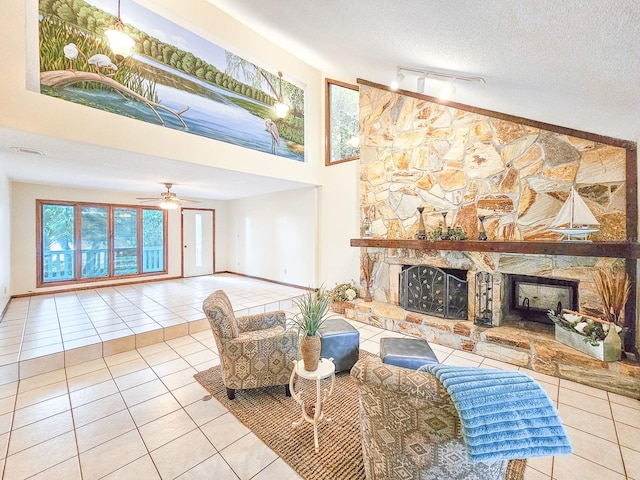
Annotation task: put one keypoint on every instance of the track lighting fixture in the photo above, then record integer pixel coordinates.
(422, 74)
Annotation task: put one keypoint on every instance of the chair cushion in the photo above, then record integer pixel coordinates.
(406, 352)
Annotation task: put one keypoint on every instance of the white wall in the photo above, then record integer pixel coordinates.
(5, 240)
(23, 231)
(275, 236)
(339, 222)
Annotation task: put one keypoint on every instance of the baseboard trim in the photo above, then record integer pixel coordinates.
(269, 280)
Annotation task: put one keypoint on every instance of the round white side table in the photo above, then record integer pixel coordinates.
(313, 414)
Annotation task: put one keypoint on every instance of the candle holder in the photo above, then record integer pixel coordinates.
(445, 235)
(366, 226)
(422, 234)
(482, 235)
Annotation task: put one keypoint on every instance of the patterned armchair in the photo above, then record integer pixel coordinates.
(256, 350)
(410, 428)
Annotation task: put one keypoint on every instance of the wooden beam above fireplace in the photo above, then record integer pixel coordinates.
(580, 249)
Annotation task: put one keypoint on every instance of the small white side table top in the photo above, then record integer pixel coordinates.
(325, 368)
(314, 413)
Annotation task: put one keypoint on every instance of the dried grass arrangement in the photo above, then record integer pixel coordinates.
(367, 263)
(612, 285)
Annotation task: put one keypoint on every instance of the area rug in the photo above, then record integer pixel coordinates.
(268, 413)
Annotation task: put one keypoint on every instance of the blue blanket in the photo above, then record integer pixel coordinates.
(504, 414)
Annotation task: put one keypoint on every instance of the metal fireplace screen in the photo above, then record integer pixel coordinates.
(434, 291)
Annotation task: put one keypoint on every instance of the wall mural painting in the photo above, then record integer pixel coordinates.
(173, 77)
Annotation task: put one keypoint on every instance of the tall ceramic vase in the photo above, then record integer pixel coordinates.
(310, 351)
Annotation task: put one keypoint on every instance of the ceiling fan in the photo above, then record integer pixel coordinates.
(168, 200)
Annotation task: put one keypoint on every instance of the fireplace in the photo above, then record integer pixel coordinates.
(531, 297)
(434, 291)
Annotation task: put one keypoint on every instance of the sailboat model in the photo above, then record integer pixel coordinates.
(574, 219)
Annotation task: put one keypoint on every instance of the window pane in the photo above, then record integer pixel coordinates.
(198, 239)
(57, 243)
(125, 241)
(95, 250)
(153, 241)
(344, 113)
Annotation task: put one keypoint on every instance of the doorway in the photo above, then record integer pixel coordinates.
(198, 242)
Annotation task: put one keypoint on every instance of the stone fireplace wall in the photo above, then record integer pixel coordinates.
(415, 153)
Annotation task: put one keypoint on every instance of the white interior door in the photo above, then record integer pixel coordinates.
(197, 242)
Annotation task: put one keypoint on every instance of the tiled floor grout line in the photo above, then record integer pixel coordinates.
(615, 428)
(73, 420)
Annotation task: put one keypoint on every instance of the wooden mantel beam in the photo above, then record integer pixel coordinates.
(576, 249)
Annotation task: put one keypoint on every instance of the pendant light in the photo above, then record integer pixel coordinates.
(119, 42)
(281, 107)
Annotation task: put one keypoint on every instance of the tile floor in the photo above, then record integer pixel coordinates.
(139, 414)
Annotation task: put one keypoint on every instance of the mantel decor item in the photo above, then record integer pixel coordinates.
(575, 220)
(366, 226)
(444, 232)
(445, 235)
(422, 234)
(592, 336)
(482, 234)
(314, 310)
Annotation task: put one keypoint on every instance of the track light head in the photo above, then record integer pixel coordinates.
(396, 83)
(447, 92)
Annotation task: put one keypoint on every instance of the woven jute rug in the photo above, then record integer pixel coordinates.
(268, 413)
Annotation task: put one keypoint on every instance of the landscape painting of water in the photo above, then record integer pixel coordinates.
(170, 76)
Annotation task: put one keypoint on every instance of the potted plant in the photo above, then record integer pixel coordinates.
(314, 309)
(341, 294)
(594, 336)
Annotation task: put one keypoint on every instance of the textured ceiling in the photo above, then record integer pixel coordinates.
(574, 63)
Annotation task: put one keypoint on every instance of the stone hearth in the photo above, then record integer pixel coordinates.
(525, 344)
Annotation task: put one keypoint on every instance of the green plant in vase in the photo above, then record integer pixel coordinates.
(314, 310)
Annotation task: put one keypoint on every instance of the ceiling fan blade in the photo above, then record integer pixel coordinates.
(148, 200)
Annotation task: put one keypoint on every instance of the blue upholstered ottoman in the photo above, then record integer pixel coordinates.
(406, 352)
(340, 341)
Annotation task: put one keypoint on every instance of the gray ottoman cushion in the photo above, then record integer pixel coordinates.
(406, 352)
(340, 341)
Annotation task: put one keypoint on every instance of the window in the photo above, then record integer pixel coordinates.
(115, 241)
(342, 123)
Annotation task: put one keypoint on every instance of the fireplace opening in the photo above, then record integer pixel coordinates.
(530, 297)
(434, 291)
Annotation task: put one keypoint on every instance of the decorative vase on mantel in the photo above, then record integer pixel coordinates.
(310, 351)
